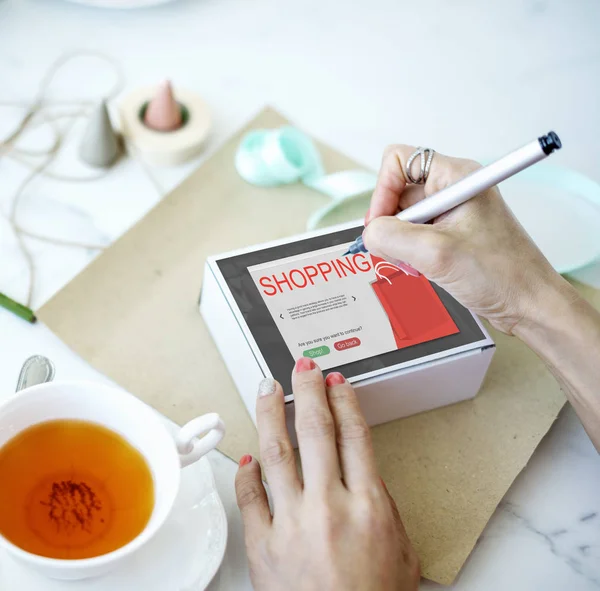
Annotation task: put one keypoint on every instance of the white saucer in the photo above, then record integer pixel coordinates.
(560, 209)
(184, 556)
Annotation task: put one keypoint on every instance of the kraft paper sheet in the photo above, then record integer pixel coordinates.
(133, 315)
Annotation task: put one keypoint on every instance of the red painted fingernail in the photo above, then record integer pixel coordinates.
(335, 379)
(305, 364)
(245, 460)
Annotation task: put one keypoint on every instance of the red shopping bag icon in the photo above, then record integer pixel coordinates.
(414, 309)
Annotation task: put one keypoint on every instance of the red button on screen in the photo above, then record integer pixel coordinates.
(347, 344)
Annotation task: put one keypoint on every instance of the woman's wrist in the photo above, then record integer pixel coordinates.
(559, 321)
(564, 331)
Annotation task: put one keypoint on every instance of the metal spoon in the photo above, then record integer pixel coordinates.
(36, 370)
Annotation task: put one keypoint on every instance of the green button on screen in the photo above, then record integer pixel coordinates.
(317, 352)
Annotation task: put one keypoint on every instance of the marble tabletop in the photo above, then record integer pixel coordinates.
(469, 78)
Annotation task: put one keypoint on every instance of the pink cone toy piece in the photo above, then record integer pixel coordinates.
(163, 113)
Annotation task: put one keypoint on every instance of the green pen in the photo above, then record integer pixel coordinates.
(16, 308)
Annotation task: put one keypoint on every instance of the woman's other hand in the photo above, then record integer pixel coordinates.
(338, 528)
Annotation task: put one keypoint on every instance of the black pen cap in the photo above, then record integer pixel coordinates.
(550, 142)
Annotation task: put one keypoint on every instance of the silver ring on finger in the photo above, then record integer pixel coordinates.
(426, 156)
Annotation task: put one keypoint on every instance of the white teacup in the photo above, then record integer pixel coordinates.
(140, 425)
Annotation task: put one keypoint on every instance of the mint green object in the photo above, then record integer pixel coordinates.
(341, 211)
(285, 155)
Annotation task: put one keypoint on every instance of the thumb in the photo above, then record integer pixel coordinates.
(425, 247)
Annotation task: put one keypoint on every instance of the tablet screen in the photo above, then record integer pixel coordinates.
(353, 314)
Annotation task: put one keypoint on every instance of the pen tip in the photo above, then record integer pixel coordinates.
(346, 253)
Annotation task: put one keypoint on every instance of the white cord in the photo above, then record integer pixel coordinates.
(40, 113)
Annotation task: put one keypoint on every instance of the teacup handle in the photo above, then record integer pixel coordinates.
(192, 449)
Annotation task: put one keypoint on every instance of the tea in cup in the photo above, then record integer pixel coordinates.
(88, 474)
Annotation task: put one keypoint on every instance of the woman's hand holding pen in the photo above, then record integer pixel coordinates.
(482, 256)
(478, 251)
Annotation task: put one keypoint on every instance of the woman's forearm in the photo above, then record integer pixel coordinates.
(564, 330)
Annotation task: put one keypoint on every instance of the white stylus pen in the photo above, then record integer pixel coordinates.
(474, 184)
